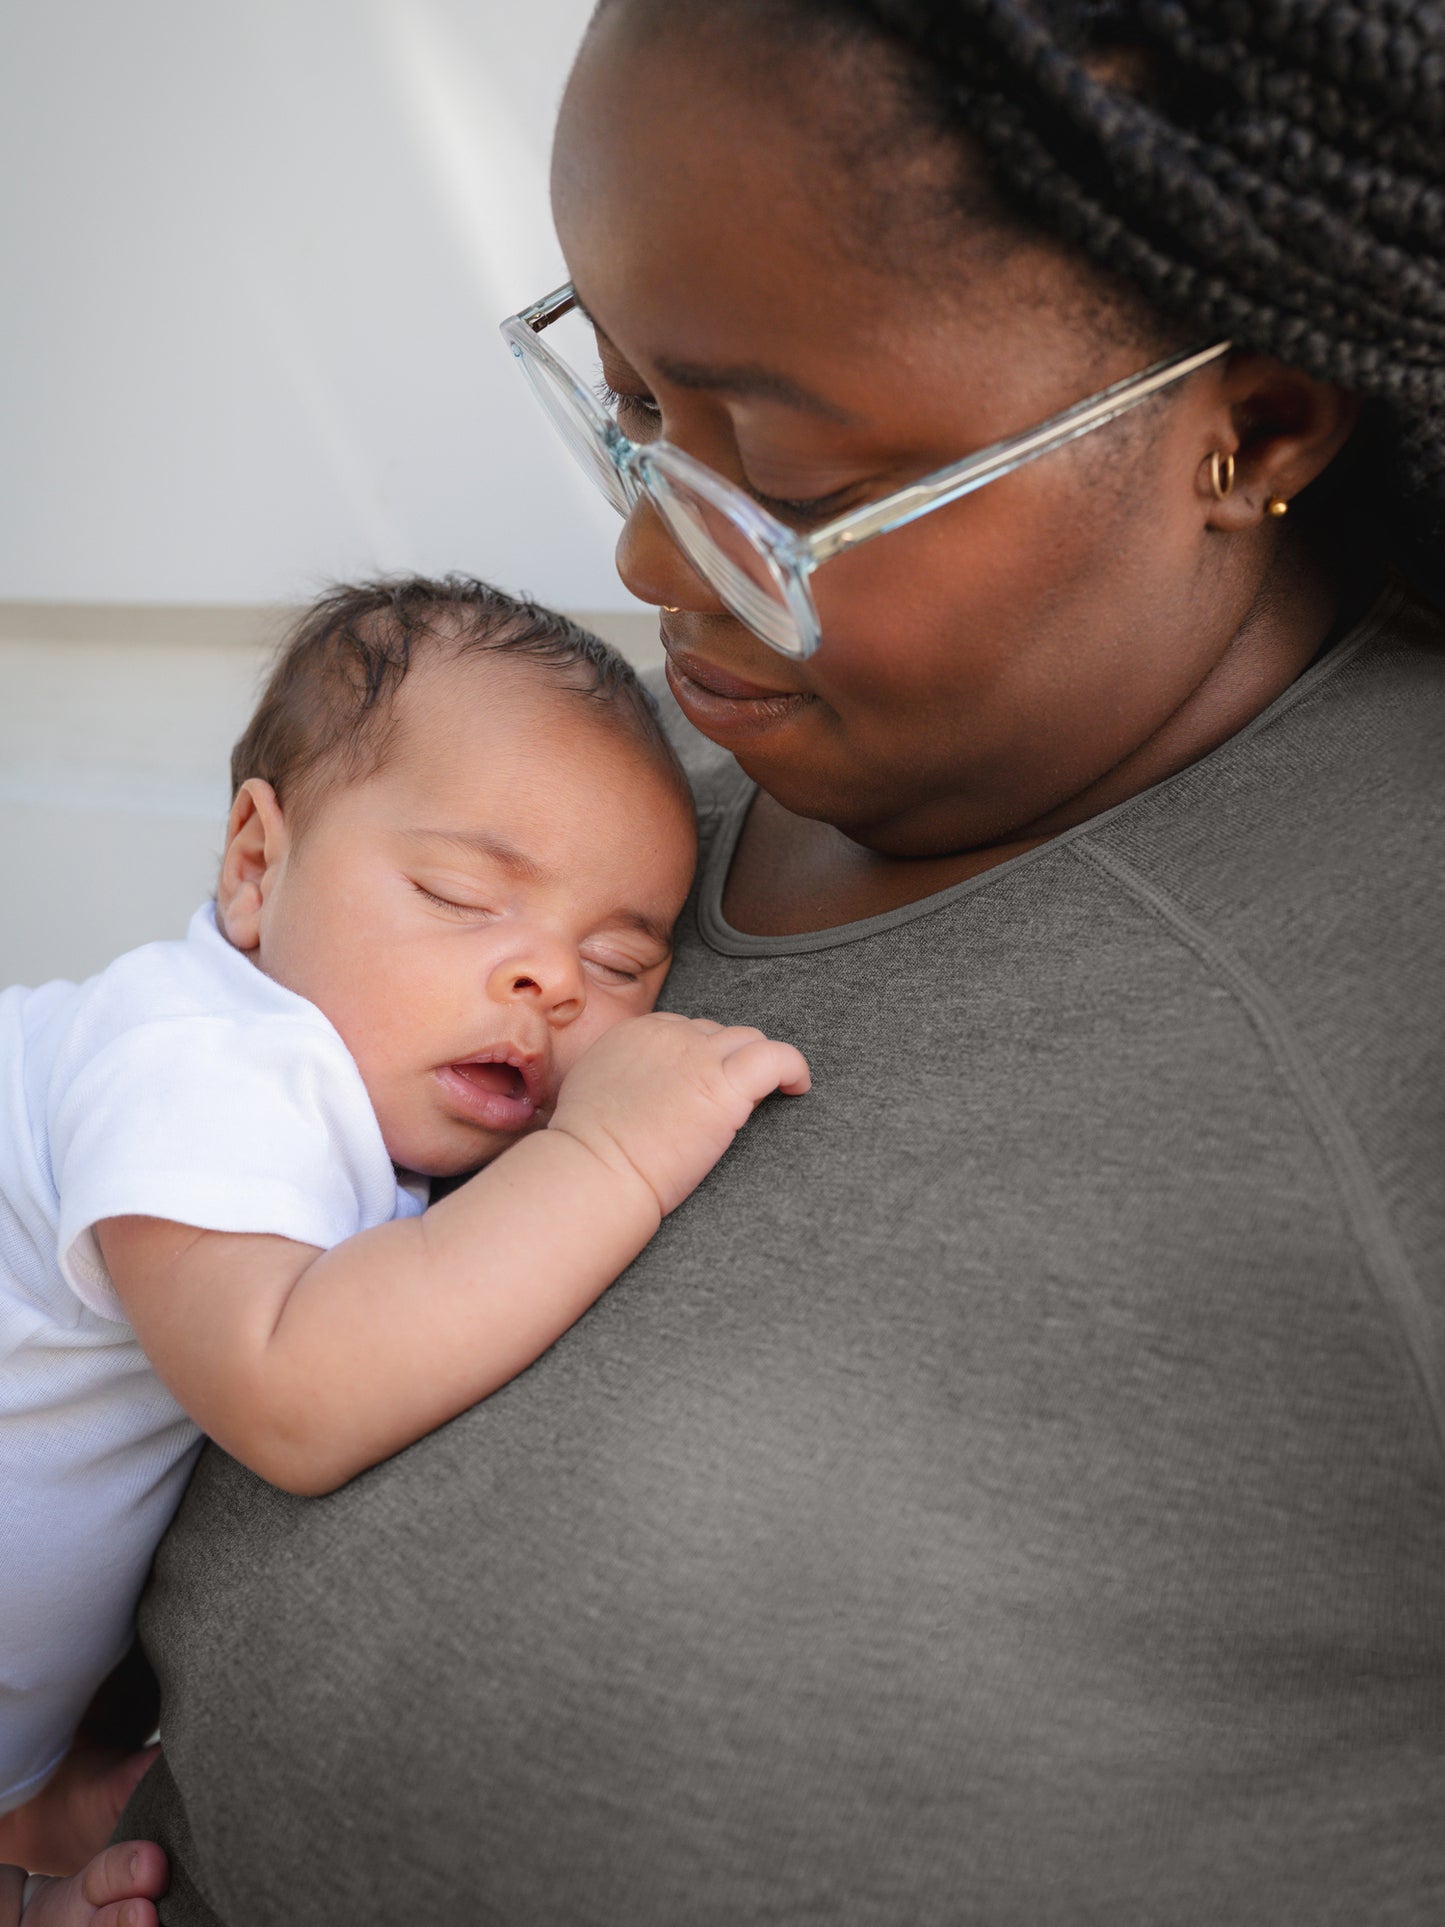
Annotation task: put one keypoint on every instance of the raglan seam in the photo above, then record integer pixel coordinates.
(1364, 1208)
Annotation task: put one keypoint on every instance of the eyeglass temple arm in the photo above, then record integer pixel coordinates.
(550, 308)
(989, 464)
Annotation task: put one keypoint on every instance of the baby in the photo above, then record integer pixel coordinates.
(458, 845)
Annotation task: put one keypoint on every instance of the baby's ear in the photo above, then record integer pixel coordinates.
(256, 844)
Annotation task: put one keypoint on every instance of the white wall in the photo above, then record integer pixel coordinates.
(254, 254)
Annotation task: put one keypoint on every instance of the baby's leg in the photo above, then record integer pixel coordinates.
(75, 1812)
(116, 1890)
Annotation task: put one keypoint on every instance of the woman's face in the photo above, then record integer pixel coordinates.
(993, 661)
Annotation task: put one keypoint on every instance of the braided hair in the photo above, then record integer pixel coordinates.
(1271, 171)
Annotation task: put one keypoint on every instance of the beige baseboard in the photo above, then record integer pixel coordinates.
(248, 626)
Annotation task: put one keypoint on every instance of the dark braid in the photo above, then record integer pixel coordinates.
(1272, 171)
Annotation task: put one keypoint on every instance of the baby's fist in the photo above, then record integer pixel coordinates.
(662, 1097)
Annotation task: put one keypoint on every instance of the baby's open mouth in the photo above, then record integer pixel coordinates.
(493, 1091)
(502, 1080)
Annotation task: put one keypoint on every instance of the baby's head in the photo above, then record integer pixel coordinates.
(459, 830)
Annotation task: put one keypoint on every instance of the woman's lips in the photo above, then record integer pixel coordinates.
(721, 703)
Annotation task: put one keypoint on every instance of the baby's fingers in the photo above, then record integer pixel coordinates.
(762, 1065)
(116, 1889)
(134, 1868)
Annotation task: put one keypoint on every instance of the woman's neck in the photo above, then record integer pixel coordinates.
(790, 874)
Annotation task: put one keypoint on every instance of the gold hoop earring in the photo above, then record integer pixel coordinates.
(669, 608)
(1276, 505)
(1221, 474)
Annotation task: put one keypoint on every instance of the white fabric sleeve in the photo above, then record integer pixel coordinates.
(226, 1123)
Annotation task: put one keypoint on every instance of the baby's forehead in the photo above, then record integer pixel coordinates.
(516, 739)
(449, 687)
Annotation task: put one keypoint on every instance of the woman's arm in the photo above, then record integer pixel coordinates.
(310, 1365)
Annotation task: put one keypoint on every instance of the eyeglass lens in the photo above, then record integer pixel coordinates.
(727, 558)
(725, 555)
(583, 435)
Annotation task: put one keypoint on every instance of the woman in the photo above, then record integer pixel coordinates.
(1013, 1489)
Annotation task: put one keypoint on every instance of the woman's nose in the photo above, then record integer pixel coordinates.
(546, 975)
(655, 569)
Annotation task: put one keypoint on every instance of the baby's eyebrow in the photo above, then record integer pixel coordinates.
(495, 848)
(647, 926)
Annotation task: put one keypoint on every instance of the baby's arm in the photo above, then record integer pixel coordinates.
(311, 1365)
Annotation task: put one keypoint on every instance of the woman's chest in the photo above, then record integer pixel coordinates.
(788, 875)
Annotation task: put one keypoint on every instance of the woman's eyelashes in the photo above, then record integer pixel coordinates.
(816, 509)
(639, 414)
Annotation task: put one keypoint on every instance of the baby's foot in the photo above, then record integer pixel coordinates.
(116, 1890)
(76, 1811)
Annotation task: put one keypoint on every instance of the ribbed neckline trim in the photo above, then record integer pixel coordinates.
(720, 935)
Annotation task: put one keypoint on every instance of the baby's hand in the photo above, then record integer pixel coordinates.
(662, 1097)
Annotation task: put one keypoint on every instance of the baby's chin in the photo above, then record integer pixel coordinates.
(452, 1155)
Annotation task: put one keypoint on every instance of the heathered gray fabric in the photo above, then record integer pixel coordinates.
(1012, 1490)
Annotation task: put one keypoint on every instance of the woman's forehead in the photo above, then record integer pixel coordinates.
(664, 169)
(708, 219)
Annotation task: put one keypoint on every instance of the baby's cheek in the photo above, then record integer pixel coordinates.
(579, 1038)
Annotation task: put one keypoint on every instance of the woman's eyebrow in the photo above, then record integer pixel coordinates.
(746, 380)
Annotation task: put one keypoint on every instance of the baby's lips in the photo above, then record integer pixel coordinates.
(528, 1065)
(489, 1090)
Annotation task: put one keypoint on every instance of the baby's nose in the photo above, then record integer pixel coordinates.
(545, 975)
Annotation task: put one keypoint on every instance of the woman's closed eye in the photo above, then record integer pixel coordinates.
(638, 413)
(641, 418)
(817, 508)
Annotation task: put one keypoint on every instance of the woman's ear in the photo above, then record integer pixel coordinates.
(257, 841)
(1283, 429)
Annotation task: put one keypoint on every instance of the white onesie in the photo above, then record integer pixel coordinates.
(180, 1083)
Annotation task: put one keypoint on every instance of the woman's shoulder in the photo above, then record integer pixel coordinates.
(1390, 665)
(1302, 864)
(1344, 771)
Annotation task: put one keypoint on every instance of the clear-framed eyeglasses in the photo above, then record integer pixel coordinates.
(758, 567)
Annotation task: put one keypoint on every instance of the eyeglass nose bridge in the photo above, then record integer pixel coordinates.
(627, 460)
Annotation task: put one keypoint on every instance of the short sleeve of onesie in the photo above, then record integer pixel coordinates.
(194, 1088)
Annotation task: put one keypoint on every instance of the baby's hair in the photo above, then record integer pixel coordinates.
(327, 714)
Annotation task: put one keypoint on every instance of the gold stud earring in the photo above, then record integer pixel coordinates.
(1221, 474)
(1276, 505)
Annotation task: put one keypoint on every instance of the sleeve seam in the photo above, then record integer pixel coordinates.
(1364, 1209)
